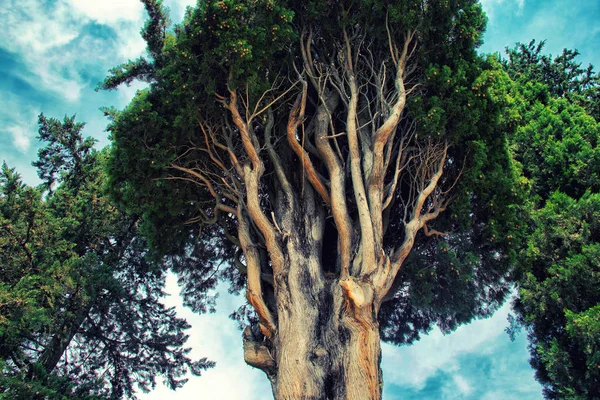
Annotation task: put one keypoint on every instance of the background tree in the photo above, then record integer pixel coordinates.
(345, 161)
(563, 76)
(559, 274)
(80, 311)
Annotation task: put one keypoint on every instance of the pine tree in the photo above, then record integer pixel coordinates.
(559, 263)
(80, 310)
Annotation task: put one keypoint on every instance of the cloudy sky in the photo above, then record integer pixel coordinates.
(54, 52)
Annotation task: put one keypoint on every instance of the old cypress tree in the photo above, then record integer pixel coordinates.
(343, 161)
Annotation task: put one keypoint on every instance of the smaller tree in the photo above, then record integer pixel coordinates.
(80, 310)
(559, 268)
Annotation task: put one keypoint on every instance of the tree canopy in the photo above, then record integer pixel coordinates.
(80, 309)
(355, 166)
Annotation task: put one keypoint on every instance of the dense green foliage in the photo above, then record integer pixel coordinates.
(80, 310)
(562, 76)
(559, 269)
(254, 46)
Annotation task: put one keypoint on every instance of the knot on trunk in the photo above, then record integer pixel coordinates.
(256, 352)
(319, 356)
(358, 292)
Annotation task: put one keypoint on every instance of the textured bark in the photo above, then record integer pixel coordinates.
(57, 345)
(327, 341)
(327, 344)
(330, 351)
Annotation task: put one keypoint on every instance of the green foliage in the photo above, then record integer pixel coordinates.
(558, 147)
(444, 278)
(563, 75)
(560, 295)
(80, 310)
(558, 274)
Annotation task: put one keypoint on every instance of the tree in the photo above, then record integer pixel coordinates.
(80, 310)
(563, 75)
(345, 161)
(557, 145)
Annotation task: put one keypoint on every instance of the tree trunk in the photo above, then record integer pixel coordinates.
(56, 347)
(327, 342)
(327, 350)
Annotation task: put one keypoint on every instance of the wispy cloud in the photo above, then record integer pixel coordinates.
(52, 55)
(20, 138)
(413, 366)
(178, 7)
(462, 384)
(19, 123)
(36, 32)
(476, 360)
(56, 45)
(108, 12)
(215, 336)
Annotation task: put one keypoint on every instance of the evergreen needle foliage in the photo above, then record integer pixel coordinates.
(80, 309)
(355, 166)
(558, 146)
(346, 162)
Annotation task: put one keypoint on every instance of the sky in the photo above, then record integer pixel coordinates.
(54, 52)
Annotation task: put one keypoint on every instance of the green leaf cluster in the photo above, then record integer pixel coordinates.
(254, 47)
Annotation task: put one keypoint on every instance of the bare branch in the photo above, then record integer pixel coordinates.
(385, 279)
(368, 240)
(296, 117)
(254, 289)
(279, 172)
(432, 232)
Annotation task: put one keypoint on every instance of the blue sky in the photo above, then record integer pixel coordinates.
(54, 52)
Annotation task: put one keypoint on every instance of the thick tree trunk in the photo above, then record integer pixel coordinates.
(324, 350)
(318, 336)
(327, 343)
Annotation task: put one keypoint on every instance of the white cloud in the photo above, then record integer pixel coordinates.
(54, 46)
(132, 46)
(182, 4)
(413, 366)
(20, 138)
(38, 35)
(215, 336)
(126, 17)
(19, 128)
(109, 12)
(178, 8)
(462, 384)
(29, 24)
